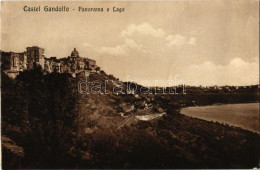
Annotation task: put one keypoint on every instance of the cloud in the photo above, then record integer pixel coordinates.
(121, 50)
(143, 29)
(118, 50)
(237, 72)
(131, 43)
(150, 53)
(179, 40)
(192, 41)
(144, 52)
(175, 40)
(146, 38)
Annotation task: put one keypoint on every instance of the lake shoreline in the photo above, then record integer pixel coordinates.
(221, 113)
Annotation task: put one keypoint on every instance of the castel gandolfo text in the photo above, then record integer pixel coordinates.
(13, 63)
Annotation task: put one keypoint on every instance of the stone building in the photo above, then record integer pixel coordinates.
(52, 65)
(12, 63)
(73, 64)
(77, 65)
(22, 61)
(35, 55)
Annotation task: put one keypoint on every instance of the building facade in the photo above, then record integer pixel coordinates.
(35, 55)
(13, 63)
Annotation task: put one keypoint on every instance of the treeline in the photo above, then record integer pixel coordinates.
(38, 113)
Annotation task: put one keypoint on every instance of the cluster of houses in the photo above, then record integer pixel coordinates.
(13, 63)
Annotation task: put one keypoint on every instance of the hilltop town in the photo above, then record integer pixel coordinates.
(13, 63)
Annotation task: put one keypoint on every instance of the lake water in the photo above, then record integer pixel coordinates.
(241, 115)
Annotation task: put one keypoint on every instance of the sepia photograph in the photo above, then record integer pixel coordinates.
(130, 84)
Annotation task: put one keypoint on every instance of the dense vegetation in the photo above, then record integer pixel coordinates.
(38, 113)
(46, 123)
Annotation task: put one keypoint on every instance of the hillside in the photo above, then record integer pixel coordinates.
(47, 123)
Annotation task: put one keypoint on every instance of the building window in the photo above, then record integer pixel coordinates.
(36, 56)
(14, 62)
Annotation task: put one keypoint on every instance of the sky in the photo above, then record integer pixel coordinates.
(200, 42)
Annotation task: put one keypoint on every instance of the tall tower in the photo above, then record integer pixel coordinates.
(35, 55)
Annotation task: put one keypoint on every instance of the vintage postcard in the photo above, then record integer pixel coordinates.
(130, 84)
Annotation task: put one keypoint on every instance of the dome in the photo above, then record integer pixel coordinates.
(74, 53)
